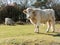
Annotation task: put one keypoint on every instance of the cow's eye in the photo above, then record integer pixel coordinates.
(30, 10)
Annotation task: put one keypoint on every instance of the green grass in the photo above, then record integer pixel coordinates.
(24, 35)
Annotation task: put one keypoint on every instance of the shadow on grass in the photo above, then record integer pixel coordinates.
(55, 34)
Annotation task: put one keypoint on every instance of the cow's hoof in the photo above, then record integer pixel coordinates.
(47, 31)
(37, 32)
(53, 31)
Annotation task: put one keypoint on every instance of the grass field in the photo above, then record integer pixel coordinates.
(24, 35)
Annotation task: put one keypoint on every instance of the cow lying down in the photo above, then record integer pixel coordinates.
(38, 16)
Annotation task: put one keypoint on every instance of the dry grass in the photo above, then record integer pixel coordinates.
(24, 35)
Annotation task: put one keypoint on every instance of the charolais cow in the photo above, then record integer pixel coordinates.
(39, 16)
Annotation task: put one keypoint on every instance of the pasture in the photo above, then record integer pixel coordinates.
(24, 35)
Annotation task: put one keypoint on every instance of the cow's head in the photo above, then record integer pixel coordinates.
(29, 12)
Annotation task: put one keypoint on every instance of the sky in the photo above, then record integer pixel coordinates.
(18, 1)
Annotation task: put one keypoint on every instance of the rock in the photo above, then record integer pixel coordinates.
(9, 21)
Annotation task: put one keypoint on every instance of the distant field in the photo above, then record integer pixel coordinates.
(24, 35)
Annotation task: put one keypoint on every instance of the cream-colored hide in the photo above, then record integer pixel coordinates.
(38, 16)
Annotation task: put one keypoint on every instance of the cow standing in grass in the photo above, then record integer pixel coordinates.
(38, 16)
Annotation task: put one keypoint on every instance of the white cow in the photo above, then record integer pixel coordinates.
(38, 16)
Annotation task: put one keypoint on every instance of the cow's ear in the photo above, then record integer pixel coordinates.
(24, 11)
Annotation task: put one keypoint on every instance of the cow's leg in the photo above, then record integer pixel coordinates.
(48, 26)
(53, 26)
(36, 28)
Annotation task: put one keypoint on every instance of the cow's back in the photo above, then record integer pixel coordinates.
(45, 15)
